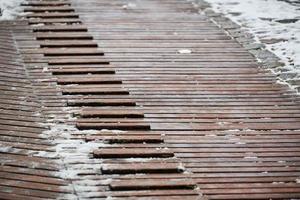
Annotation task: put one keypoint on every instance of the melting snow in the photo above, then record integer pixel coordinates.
(10, 9)
(75, 154)
(184, 51)
(276, 182)
(5, 148)
(240, 143)
(250, 157)
(274, 23)
(281, 161)
(129, 6)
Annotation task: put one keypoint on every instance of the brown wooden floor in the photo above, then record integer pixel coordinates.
(209, 123)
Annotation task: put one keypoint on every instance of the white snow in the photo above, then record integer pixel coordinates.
(10, 9)
(240, 143)
(250, 157)
(277, 182)
(211, 135)
(129, 6)
(74, 154)
(5, 148)
(184, 51)
(45, 69)
(281, 161)
(268, 21)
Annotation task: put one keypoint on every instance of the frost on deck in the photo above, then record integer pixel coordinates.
(275, 24)
(10, 9)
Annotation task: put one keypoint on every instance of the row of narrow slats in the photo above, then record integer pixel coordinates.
(24, 174)
(83, 72)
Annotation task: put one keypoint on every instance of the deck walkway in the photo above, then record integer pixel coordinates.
(142, 99)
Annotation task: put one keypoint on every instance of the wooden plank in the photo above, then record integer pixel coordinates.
(70, 43)
(132, 152)
(46, 21)
(76, 61)
(108, 91)
(152, 184)
(114, 126)
(90, 79)
(126, 139)
(46, 3)
(49, 9)
(63, 36)
(101, 102)
(133, 168)
(132, 113)
(50, 16)
(59, 28)
(73, 52)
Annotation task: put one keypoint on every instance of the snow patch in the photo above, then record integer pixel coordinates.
(281, 161)
(250, 157)
(10, 9)
(240, 143)
(181, 167)
(129, 6)
(273, 23)
(211, 135)
(277, 182)
(184, 51)
(45, 69)
(74, 154)
(5, 148)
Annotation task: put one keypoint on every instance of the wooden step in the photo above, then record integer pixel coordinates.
(106, 91)
(74, 52)
(68, 43)
(46, 3)
(133, 168)
(144, 184)
(52, 15)
(101, 102)
(63, 36)
(130, 113)
(59, 28)
(55, 21)
(147, 195)
(49, 9)
(99, 79)
(75, 61)
(110, 133)
(126, 139)
(83, 71)
(114, 126)
(132, 153)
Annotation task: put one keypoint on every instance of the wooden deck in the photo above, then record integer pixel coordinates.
(100, 101)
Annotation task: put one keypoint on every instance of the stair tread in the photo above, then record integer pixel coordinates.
(68, 35)
(102, 102)
(107, 112)
(142, 167)
(126, 138)
(78, 60)
(48, 8)
(88, 80)
(132, 152)
(151, 184)
(60, 28)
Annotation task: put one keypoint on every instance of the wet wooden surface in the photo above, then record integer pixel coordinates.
(223, 116)
(210, 122)
(24, 173)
